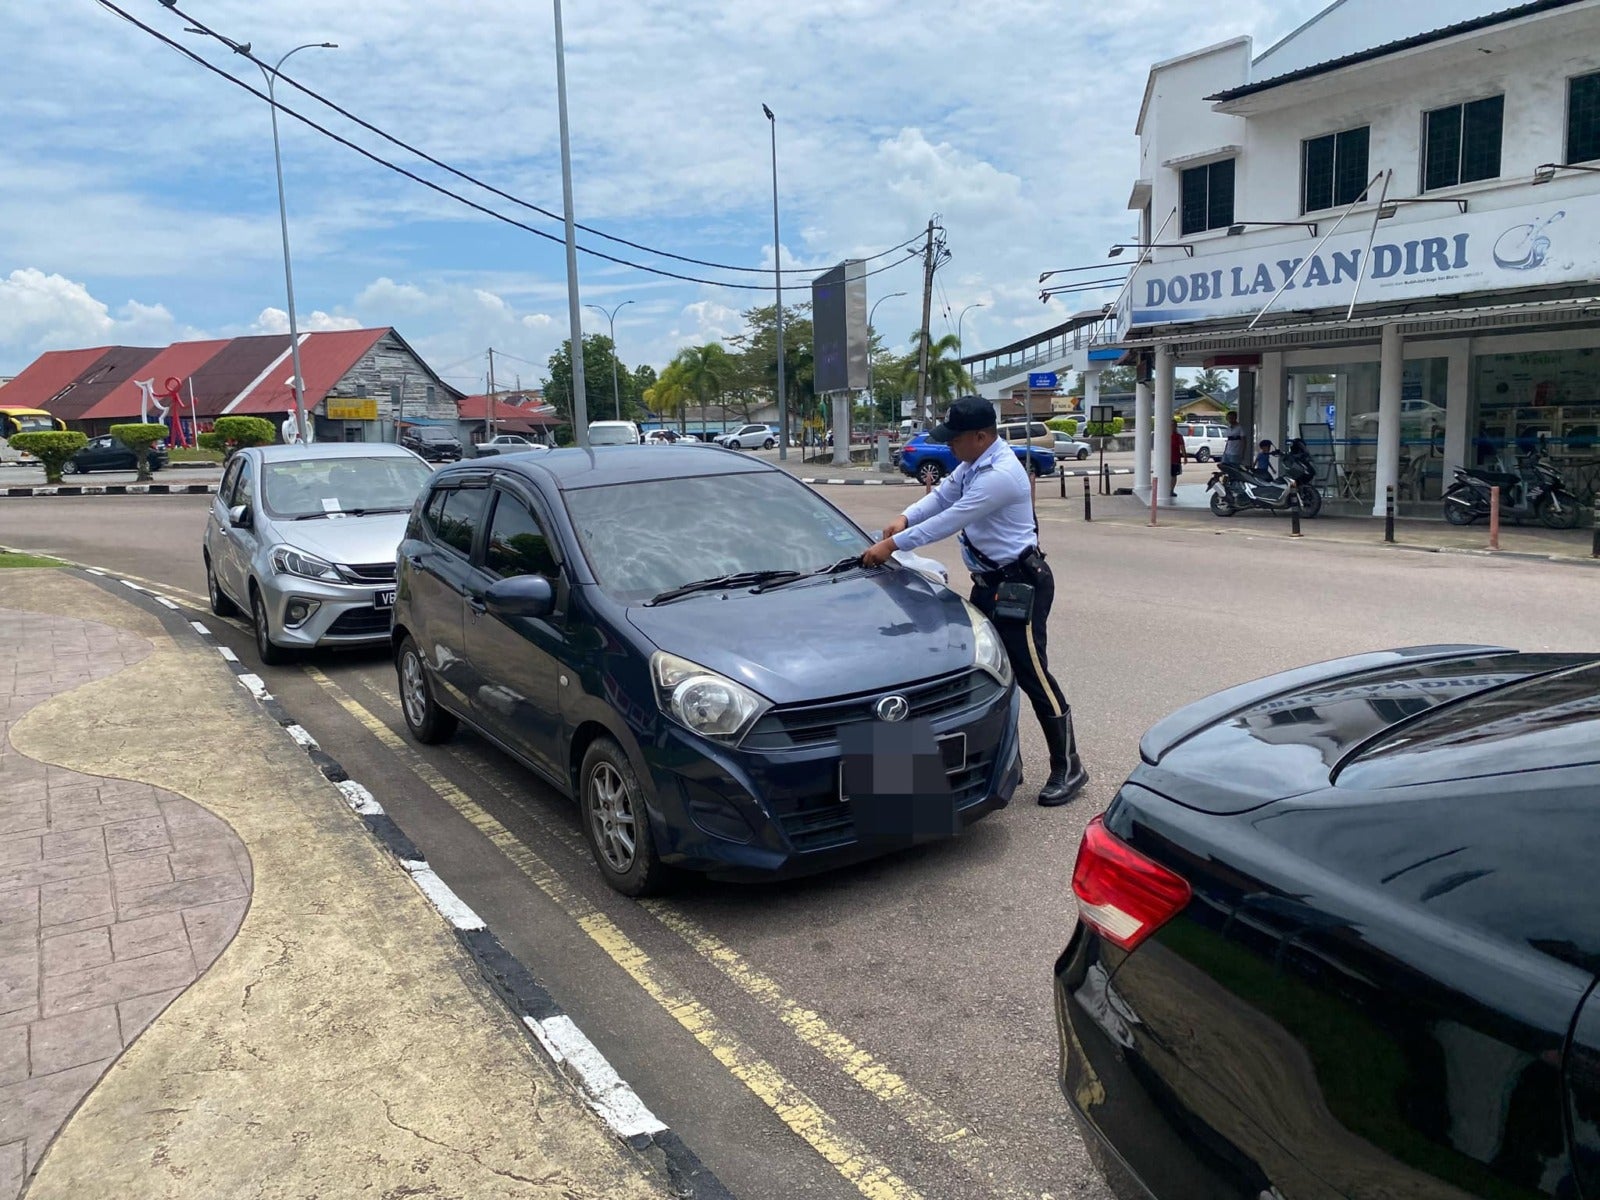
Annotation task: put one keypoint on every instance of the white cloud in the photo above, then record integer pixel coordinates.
(41, 312)
(276, 320)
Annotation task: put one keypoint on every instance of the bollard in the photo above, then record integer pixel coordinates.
(1087, 516)
(1388, 514)
(1294, 509)
(1494, 518)
(1595, 551)
(1061, 474)
(1105, 480)
(1155, 497)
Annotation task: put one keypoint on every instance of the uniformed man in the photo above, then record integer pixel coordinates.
(987, 501)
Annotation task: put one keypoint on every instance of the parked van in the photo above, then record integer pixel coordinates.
(614, 433)
(1029, 433)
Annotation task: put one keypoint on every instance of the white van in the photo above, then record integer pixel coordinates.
(614, 433)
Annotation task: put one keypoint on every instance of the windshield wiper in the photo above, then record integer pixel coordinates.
(741, 579)
(838, 568)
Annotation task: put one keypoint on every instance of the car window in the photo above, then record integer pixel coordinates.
(244, 491)
(517, 542)
(1038, 429)
(454, 515)
(692, 536)
(230, 480)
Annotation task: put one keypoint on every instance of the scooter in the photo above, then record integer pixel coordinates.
(1536, 489)
(1234, 487)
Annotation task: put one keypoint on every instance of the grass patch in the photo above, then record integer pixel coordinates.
(192, 454)
(10, 558)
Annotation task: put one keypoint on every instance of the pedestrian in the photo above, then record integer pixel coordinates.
(1263, 463)
(1233, 451)
(1180, 455)
(987, 502)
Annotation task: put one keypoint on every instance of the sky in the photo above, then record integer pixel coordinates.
(139, 206)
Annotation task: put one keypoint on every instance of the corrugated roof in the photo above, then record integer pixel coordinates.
(178, 361)
(42, 380)
(325, 358)
(1440, 34)
(507, 406)
(114, 367)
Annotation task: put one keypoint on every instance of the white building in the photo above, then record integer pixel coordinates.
(1404, 196)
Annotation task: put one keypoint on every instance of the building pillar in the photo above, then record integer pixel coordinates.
(841, 428)
(1391, 379)
(1143, 405)
(1458, 430)
(1298, 396)
(1161, 435)
(1272, 398)
(1247, 404)
(1091, 391)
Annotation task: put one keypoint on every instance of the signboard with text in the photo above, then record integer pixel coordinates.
(352, 410)
(1042, 380)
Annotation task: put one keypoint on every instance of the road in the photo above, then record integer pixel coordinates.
(886, 1030)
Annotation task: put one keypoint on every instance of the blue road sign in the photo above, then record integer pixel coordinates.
(1042, 379)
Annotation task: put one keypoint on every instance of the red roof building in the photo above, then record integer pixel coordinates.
(513, 412)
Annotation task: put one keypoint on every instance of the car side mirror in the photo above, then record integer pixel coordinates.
(521, 596)
(239, 516)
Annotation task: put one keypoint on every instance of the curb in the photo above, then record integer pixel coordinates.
(568, 1048)
(907, 481)
(112, 489)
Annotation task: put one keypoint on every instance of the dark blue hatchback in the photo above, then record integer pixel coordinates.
(688, 645)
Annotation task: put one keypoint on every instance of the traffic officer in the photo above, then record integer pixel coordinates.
(987, 501)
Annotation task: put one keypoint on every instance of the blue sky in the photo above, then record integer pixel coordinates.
(139, 204)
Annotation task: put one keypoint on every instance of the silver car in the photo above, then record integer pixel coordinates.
(302, 540)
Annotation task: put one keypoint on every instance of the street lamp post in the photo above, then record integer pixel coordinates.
(611, 320)
(870, 314)
(580, 395)
(270, 74)
(964, 312)
(777, 277)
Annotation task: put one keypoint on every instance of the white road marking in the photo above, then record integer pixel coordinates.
(617, 1103)
(128, 583)
(163, 600)
(302, 736)
(451, 906)
(227, 654)
(199, 628)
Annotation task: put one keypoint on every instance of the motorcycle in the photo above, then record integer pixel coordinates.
(1234, 487)
(1535, 489)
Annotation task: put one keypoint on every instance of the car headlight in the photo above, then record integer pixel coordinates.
(702, 701)
(989, 652)
(286, 560)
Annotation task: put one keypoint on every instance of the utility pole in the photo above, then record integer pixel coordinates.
(924, 404)
(580, 395)
(489, 423)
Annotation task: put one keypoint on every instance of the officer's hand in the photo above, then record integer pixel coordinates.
(879, 554)
(898, 525)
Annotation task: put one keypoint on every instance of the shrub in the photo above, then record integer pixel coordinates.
(1102, 429)
(139, 439)
(235, 433)
(51, 448)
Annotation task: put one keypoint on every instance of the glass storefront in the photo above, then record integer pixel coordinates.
(1542, 401)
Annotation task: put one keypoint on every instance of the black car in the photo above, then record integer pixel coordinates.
(432, 442)
(1339, 936)
(108, 454)
(717, 698)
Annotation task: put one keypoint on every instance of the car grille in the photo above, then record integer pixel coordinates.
(826, 822)
(368, 572)
(812, 725)
(360, 622)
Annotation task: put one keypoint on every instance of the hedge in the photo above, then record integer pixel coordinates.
(1101, 429)
(235, 433)
(52, 448)
(139, 439)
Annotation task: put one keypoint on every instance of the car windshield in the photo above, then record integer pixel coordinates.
(33, 424)
(611, 435)
(305, 487)
(435, 435)
(647, 537)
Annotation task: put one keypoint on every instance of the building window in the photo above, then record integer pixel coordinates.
(361, 391)
(1583, 118)
(1462, 143)
(1333, 169)
(394, 393)
(1208, 197)
(429, 394)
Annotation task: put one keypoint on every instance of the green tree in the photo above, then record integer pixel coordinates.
(597, 359)
(705, 371)
(51, 447)
(1210, 381)
(947, 378)
(235, 433)
(670, 395)
(1113, 381)
(757, 349)
(139, 439)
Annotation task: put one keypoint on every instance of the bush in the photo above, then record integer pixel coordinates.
(1059, 424)
(235, 433)
(1101, 429)
(139, 439)
(51, 448)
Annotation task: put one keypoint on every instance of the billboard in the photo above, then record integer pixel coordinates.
(839, 324)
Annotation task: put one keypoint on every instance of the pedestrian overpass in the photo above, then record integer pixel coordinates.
(1082, 344)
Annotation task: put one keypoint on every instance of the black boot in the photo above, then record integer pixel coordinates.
(1067, 776)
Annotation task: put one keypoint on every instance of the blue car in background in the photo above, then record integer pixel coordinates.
(929, 461)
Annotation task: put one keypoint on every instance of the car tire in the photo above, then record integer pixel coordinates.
(768, 444)
(426, 722)
(1083, 454)
(615, 822)
(70, 467)
(733, 444)
(1203, 454)
(930, 473)
(220, 604)
(270, 653)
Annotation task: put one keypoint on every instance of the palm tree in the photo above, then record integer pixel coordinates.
(946, 377)
(705, 371)
(670, 396)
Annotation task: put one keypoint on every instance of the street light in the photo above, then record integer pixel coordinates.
(270, 74)
(1116, 251)
(964, 312)
(611, 317)
(777, 278)
(870, 314)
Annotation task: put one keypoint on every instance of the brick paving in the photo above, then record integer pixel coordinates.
(114, 895)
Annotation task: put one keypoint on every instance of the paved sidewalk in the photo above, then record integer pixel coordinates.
(341, 1043)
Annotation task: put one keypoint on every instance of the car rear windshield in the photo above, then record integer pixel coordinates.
(644, 538)
(611, 435)
(314, 486)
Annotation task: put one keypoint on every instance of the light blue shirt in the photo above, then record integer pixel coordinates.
(991, 499)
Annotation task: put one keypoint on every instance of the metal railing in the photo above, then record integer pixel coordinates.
(1050, 349)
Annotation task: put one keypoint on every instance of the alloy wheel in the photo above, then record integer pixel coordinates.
(611, 817)
(413, 692)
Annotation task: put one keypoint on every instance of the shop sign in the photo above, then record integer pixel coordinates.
(352, 410)
(1530, 245)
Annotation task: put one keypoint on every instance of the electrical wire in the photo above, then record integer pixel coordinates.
(488, 187)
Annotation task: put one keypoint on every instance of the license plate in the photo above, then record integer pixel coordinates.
(952, 754)
(383, 599)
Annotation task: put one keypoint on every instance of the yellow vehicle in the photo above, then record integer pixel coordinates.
(27, 420)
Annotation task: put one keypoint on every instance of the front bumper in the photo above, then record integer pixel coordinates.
(767, 814)
(346, 614)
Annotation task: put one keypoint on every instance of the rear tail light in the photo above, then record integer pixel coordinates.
(1123, 895)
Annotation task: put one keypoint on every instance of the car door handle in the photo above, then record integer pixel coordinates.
(415, 560)
(477, 606)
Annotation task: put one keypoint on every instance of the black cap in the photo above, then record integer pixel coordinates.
(967, 414)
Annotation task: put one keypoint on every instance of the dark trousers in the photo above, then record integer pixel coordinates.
(1025, 640)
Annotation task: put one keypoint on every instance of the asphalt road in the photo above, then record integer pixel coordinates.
(885, 1030)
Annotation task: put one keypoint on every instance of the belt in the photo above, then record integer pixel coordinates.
(1022, 564)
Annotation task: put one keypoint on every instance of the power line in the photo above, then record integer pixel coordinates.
(488, 187)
